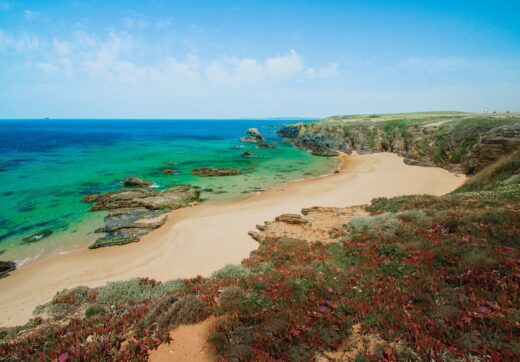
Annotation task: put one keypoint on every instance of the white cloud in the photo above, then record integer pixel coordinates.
(327, 71)
(21, 43)
(284, 66)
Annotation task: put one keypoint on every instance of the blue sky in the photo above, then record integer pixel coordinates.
(219, 59)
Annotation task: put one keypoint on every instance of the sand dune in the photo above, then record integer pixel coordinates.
(204, 238)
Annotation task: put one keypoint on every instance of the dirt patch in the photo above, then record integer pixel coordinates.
(189, 343)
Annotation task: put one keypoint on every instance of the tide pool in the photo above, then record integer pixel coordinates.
(46, 166)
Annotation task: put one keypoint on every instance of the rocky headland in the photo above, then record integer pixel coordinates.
(461, 142)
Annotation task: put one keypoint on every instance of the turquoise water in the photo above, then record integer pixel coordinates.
(47, 166)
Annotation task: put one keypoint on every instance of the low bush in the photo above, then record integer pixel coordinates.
(232, 271)
(135, 290)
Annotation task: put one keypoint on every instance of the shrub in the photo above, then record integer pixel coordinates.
(66, 302)
(385, 224)
(186, 310)
(411, 215)
(230, 298)
(95, 310)
(231, 271)
(135, 290)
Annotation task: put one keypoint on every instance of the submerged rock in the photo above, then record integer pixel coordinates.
(253, 136)
(37, 236)
(6, 267)
(212, 171)
(247, 154)
(135, 212)
(266, 145)
(169, 171)
(135, 181)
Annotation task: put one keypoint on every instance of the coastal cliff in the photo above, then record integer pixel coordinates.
(461, 142)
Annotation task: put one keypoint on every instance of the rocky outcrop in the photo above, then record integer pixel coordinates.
(294, 219)
(491, 146)
(37, 236)
(169, 171)
(135, 181)
(315, 224)
(247, 154)
(252, 136)
(463, 143)
(135, 212)
(6, 267)
(212, 171)
(266, 145)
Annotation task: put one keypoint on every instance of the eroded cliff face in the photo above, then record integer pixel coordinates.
(463, 142)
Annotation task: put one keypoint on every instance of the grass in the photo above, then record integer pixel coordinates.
(506, 171)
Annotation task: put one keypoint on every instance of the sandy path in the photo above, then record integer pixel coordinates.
(204, 238)
(189, 343)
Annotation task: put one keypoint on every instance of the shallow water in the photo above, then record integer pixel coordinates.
(46, 166)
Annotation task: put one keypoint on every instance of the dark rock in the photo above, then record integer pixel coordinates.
(290, 131)
(253, 136)
(266, 145)
(212, 171)
(6, 267)
(414, 162)
(291, 219)
(135, 181)
(37, 236)
(169, 171)
(247, 154)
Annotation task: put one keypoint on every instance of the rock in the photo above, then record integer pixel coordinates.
(135, 212)
(6, 267)
(266, 145)
(37, 236)
(415, 162)
(291, 219)
(211, 171)
(169, 199)
(247, 154)
(462, 143)
(135, 181)
(290, 131)
(169, 171)
(253, 136)
(171, 163)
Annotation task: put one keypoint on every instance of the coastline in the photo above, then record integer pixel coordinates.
(186, 245)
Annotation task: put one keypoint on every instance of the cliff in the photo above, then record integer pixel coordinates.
(461, 142)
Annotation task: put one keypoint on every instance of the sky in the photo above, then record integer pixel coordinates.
(236, 59)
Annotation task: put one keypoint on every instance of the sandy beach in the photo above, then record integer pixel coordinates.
(204, 238)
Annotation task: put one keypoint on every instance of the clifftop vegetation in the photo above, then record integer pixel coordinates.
(462, 142)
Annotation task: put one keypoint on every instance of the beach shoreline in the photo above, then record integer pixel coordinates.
(201, 239)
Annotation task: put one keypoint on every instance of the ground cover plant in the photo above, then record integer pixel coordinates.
(434, 278)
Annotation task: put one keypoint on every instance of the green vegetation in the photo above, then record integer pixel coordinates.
(504, 172)
(433, 278)
(462, 141)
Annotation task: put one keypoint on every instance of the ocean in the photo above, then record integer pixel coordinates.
(46, 166)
